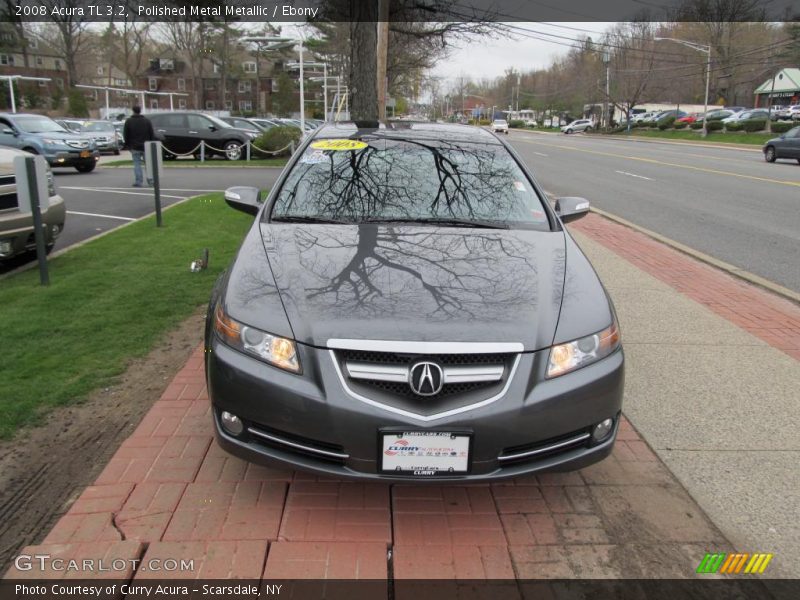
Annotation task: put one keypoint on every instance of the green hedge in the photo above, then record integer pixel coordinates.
(696, 125)
(666, 122)
(516, 123)
(276, 138)
(782, 126)
(734, 126)
(753, 125)
(680, 124)
(715, 125)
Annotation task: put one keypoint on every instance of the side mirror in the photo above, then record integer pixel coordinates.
(244, 198)
(212, 127)
(571, 208)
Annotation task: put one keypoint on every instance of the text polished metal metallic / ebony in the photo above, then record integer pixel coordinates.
(407, 305)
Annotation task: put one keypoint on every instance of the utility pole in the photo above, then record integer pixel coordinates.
(769, 101)
(383, 50)
(705, 48)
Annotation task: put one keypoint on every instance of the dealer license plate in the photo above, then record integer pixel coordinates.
(425, 453)
(85, 153)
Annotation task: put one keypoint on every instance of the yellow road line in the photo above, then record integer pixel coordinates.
(668, 164)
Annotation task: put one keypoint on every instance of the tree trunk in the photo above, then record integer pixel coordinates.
(363, 60)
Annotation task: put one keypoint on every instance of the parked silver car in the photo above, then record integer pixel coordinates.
(578, 125)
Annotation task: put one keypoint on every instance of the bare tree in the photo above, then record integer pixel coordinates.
(67, 33)
(189, 39)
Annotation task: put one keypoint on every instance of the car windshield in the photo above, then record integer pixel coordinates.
(390, 180)
(98, 126)
(38, 125)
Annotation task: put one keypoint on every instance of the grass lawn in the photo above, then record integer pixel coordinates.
(756, 139)
(108, 301)
(209, 162)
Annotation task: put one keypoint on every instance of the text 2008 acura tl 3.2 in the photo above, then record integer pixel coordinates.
(407, 305)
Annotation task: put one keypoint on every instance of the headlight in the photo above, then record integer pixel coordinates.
(277, 351)
(581, 352)
(52, 141)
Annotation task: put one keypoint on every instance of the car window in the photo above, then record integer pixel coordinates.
(169, 120)
(4, 123)
(411, 180)
(98, 126)
(198, 122)
(793, 133)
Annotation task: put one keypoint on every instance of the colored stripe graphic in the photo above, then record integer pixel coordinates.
(737, 562)
(711, 563)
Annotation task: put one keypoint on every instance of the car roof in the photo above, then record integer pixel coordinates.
(410, 130)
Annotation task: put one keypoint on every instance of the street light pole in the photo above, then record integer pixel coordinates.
(700, 48)
(325, 90)
(302, 94)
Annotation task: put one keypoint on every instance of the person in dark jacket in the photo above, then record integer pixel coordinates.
(137, 130)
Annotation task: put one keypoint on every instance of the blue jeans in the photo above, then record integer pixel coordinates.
(138, 164)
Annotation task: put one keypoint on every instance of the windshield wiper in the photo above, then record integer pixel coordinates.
(450, 221)
(308, 219)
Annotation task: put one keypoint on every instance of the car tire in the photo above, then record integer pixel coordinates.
(769, 154)
(116, 152)
(587, 130)
(567, 131)
(233, 150)
(85, 168)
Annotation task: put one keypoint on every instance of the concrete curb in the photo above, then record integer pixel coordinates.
(779, 290)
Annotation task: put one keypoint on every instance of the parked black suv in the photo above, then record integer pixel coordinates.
(182, 132)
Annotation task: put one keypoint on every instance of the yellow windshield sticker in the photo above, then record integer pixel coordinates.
(338, 145)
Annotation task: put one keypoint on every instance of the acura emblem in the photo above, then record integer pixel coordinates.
(425, 378)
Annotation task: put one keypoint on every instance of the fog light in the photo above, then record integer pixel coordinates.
(231, 423)
(602, 430)
(55, 230)
(5, 248)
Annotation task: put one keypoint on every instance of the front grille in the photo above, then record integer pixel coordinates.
(451, 389)
(392, 358)
(382, 389)
(9, 201)
(78, 143)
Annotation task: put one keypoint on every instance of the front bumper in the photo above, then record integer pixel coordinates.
(311, 423)
(71, 158)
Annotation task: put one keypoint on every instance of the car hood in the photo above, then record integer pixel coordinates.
(417, 283)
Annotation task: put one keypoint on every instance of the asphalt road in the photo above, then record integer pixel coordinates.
(727, 203)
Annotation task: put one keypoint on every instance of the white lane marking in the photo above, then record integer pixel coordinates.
(85, 214)
(633, 175)
(540, 153)
(117, 191)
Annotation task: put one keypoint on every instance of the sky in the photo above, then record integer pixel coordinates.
(487, 58)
